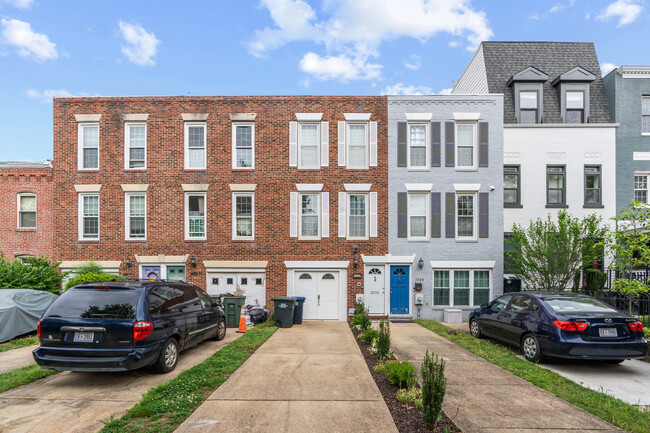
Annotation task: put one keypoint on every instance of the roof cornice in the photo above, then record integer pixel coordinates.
(634, 71)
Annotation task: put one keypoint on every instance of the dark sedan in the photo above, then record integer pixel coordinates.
(562, 325)
(124, 325)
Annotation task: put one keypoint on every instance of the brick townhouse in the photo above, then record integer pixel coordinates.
(272, 195)
(26, 209)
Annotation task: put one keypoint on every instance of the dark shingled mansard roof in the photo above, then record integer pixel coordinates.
(505, 59)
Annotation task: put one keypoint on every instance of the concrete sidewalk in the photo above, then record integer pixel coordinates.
(311, 377)
(482, 397)
(16, 358)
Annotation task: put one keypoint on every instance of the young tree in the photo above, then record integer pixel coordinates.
(37, 273)
(547, 254)
(631, 247)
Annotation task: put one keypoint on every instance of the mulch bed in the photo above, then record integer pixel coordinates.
(407, 418)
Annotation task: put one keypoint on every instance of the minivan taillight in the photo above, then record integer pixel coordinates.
(38, 328)
(141, 330)
(569, 325)
(635, 326)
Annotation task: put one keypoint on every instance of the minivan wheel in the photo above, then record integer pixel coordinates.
(475, 329)
(168, 357)
(221, 330)
(531, 349)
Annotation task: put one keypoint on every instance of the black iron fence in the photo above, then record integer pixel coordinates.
(637, 305)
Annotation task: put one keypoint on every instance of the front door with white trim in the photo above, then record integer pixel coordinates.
(374, 290)
(321, 290)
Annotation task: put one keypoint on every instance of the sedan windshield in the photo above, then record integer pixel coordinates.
(566, 305)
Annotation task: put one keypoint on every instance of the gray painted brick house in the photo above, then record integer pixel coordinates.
(628, 95)
(445, 207)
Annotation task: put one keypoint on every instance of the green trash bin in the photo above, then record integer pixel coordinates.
(283, 311)
(232, 307)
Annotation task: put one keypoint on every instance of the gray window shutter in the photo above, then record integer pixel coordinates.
(450, 144)
(401, 144)
(402, 215)
(450, 215)
(435, 215)
(483, 133)
(435, 144)
(484, 213)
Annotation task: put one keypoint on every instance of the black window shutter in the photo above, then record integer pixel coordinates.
(401, 144)
(402, 215)
(435, 215)
(484, 214)
(450, 215)
(483, 133)
(435, 144)
(450, 144)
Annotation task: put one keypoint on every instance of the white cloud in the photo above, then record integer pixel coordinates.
(140, 46)
(606, 68)
(47, 95)
(401, 89)
(351, 31)
(414, 62)
(305, 82)
(31, 45)
(341, 67)
(627, 11)
(20, 4)
(446, 91)
(559, 6)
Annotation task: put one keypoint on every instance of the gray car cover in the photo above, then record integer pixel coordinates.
(20, 310)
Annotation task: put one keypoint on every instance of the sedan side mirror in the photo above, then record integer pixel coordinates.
(486, 306)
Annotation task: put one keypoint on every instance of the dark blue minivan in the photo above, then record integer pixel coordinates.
(125, 325)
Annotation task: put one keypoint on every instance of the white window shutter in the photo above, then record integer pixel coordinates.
(373, 214)
(325, 214)
(341, 144)
(293, 209)
(293, 144)
(325, 144)
(343, 201)
(373, 144)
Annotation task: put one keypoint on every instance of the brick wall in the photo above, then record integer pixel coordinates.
(165, 173)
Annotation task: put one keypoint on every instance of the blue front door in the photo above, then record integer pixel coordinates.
(399, 290)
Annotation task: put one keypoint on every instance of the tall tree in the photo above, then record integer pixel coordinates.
(631, 247)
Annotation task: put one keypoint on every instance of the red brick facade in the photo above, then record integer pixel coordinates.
(165, 175)
(27, 178)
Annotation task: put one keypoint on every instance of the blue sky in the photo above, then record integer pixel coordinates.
(261, 47)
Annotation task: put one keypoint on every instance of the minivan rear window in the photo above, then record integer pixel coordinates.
(566, 305)
(96, 304)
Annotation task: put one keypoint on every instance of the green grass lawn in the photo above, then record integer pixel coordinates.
(18, 343)
(611, 409)
(166, 406)
(22, 376)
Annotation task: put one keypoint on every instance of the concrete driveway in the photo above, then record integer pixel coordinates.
(16, 358)
(77, 402)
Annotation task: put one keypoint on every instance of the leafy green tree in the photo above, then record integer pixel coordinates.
(36, 273)
(547, 254)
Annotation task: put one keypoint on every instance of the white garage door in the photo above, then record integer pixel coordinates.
(322, 292)
(253, 284)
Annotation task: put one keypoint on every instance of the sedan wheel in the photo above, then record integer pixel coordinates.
(475, 329)
(531, 349)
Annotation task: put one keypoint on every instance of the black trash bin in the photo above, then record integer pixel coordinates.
(283, 311)
(297, 310)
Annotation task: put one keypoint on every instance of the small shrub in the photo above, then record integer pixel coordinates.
(383, 339)
(412, 396)
(359, 308)
(434, 384)
(36, 273)
(368, 335)
(401, 374)
(380, 368)
(595, 281)
(82, 278)
(361, 322)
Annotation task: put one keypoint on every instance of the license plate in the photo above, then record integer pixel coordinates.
(84, 337)
(607, 332)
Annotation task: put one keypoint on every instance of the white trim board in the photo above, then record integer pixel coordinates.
(461, 264)
(316, 264)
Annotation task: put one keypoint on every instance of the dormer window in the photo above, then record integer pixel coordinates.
(575, 107)
(573, 88)
(528, 108)
(528, 88)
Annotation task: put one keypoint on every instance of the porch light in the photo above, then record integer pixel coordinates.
(128, 262)
(420, 263)
(355, 262)
(193, 262)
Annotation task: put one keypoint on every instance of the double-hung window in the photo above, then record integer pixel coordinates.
(555, 185)
(88, 216)
(243, 145)
(88, 143)
(308, 145)
(641, 188)
(645, 115)
(195, 145)
(417, 146)
(27, 211)
(466, 145)
(461, 287)
(466, 216)
(135, 138)
(417, 216)
(528, 107)
(511, 185)
(357, 145)
(593, 186)
(243, 216)
(136, 216)
(309, 221)
(358, 217)
(575, 107)
(195, 216)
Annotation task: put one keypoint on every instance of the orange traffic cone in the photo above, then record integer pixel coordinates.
(242, 321)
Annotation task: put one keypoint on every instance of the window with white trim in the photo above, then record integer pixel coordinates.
(88, 146)
(135, 140)
(88, 216)
(641, 188)
(136, 216)
(358, 216)
(461, 287)
(418, 150)
(645, 115)
(195, 145)
(243, 142)
(309, 145)
(244, 216)
(195, 216)
(309, 219)
(26, 211)
(466, 145)
(357, 143)
(418, 216)
(466, 216)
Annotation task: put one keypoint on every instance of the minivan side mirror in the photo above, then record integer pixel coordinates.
(486, 306)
